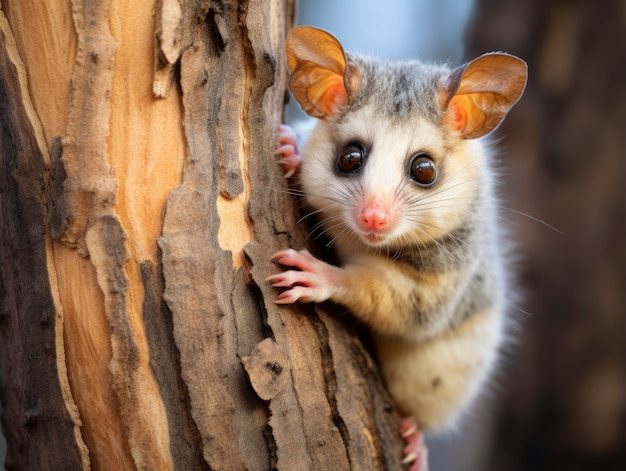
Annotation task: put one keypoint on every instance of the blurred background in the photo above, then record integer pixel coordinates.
(560, 400)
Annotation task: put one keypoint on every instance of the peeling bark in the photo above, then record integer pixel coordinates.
(38, 411)
(140, 205)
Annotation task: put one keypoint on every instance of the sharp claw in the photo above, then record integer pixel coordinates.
(409, 458)
(410, 431)
(288, 149)
(279, 254)
(283, 301)
(273, 279)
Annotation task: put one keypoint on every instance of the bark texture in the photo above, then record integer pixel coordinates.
(140, 203)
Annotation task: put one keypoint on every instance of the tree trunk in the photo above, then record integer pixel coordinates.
(140, 203)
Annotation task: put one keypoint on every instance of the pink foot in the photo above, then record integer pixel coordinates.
(315, 281)
(415, 452)
(288, 150)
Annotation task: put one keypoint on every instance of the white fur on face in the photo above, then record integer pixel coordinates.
(417, 214)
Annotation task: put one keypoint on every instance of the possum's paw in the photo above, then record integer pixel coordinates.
(314, 281)
(415, 451)
(288, 150)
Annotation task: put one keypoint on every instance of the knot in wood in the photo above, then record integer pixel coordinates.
(267, 368)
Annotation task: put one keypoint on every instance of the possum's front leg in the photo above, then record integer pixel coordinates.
(317, 281)
(379, 292)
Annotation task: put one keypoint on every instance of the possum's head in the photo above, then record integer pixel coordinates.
(395, 158)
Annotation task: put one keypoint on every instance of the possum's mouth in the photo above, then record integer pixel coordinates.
(374, 238)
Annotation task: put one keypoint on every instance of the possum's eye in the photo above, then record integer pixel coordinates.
(422, 170)
(351, 158)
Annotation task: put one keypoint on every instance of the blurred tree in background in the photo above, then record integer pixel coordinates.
(564, 151)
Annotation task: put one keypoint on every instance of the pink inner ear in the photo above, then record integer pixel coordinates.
(456, 116)
(334, 98)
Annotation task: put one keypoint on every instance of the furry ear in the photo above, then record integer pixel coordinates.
(476, 97)
(323, 79)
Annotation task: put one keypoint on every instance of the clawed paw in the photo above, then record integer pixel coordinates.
(415, 451)
(288, 150)
(313, 281)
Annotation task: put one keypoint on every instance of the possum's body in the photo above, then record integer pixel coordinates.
(402, 185)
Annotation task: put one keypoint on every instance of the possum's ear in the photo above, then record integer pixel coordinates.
(323, 78)
(476, 97)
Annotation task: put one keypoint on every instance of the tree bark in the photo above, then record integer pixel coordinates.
(140, 203)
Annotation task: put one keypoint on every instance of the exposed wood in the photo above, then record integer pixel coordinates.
(39, 394)
(140, 204)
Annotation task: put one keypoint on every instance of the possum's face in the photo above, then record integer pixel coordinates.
(397, 159)
(390, 184)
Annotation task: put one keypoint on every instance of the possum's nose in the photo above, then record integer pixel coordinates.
(375, 216)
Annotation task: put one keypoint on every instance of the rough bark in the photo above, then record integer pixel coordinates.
(140, 202)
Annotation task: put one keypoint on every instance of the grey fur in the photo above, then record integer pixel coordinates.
(399, 90)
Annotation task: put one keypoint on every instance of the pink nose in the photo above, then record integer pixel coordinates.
(374, 216)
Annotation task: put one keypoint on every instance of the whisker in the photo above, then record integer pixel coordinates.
(532, 218)
(309, 215)
(332, 241)
(519, 309)
(432, 194)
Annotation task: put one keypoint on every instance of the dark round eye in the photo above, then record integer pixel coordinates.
(422, 170)
(351, 158)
